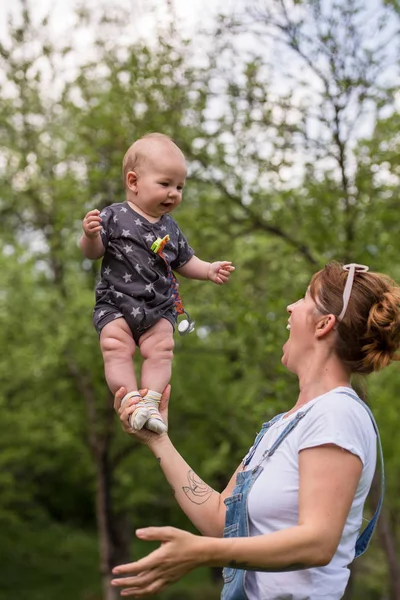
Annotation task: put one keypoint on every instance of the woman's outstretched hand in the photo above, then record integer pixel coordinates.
(144, 435)
(180, 552)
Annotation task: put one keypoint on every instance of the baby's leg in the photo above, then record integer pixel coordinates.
(156, 347)
(118, 348)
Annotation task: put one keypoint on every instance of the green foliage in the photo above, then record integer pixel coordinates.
(47, 560)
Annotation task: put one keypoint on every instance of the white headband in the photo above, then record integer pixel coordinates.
(352, 268)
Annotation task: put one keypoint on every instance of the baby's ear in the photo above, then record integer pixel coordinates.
(131, 180)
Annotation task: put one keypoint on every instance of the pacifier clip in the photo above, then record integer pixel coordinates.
(185, 325)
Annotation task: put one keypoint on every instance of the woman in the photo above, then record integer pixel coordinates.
(286, 525)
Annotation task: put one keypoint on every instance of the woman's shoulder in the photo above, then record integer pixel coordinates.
(338, 418)
(342, 403)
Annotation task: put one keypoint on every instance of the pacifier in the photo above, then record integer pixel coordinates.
(186, 325)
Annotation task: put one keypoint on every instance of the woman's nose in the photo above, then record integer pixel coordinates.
(290, 307)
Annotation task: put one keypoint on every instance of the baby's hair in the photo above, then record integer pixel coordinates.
(368, 337)
(135, 156)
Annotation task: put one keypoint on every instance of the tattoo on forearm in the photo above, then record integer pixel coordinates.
(197, 491)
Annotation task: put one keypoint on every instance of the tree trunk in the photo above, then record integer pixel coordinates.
(388, 543)
(350, 586)
(113, 530)
(103, 526)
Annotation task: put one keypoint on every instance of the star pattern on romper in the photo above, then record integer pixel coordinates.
(177, 231)
(101, 314)
(123, 209)
(149, 287)
(163, 228)
(138, 222)
(117, 315)
(182, 243)
(127, 277)
(103, 213)
(119, 255)
(107, 271)
(115, 219)
(135, 312)
(102, 231)
(128, 248)
(172, 245)
(125, 233)
(138, 268)
(149, 237)
(118, 294)
(151, 260)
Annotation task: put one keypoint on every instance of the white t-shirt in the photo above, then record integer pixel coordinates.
(335, 418)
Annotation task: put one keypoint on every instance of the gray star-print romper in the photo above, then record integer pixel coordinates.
(134, 283)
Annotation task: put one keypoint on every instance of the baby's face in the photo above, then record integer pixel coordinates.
(160, 181)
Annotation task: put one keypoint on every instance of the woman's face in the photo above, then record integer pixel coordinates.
(301, 324)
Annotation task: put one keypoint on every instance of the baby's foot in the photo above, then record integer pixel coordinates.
(141, 414)
(154, 422)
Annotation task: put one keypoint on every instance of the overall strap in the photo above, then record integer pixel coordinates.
(365, 536)
(258, 439)
(291, 425)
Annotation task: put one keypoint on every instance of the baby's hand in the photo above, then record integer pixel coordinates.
(219, 271)
(92, 223)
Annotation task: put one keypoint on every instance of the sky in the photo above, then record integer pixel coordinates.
(141, 22)
(191, 13)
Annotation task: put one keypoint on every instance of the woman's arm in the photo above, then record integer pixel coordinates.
(328, 481)
(202, 505)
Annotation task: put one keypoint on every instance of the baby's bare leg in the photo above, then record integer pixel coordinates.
(118, 348)
(156, 347)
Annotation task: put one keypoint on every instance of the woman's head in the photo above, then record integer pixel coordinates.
(368, 333)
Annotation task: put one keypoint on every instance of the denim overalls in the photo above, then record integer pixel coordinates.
(237, 519)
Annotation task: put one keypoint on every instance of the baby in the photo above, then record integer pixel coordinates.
(137, 302)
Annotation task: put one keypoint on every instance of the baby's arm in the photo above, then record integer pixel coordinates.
(91, 243)
(218, 271)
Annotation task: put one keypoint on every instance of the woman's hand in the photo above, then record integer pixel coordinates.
(180, 552)
(144, 435)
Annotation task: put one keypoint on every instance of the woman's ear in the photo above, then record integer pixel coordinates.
(131, 181)
(325, 324)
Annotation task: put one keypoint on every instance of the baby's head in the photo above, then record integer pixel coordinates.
(154, 173)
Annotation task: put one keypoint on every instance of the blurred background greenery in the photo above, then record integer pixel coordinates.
(288, 113)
